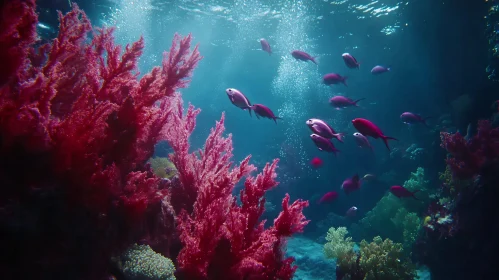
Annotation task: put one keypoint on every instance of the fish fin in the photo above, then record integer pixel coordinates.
(258, 117)
(355, 102)
(386, 138)
(249, 110)
(320, 149)
(339, 136)
(315, 59)
(335, 151)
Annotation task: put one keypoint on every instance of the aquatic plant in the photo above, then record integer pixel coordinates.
(468, 157)
(379, 259)
(77, 128)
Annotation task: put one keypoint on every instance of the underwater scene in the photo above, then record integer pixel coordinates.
(249, 139)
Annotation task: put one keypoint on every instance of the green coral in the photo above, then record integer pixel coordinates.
(140, 262)
(396, 218)
(379, 259)
(163, 167)
(340, 247)
(410, 225)
(384, 260)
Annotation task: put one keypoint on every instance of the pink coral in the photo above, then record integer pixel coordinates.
(467, 157)
(77, 126)
(76, 130)
(221, 239)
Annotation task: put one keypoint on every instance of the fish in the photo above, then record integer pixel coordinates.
(369, 177)
(328, 197)
(323, 144)
(469, 132)
(401, 192)
(368, 128)
(378, 69)
(340, 102)
(350, 61)
(362, 141)
(334, 78)
(351, 184)
(265, 46)
(316, 162)
(321, 128)
(264, 112)
(303, 56)
(239, 99)
(411, 118)
(352, 211)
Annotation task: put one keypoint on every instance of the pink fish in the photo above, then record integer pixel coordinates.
(323, 144)
(350, 61)
(362, 141)
(411, 118)
(321, 128)
(401, 192)
(340, 102)
(316, 162)
(351, 184)
(352, 212)
(264, 112)
(328, 197)
(303, 56)
(265, 46)
(379, 70)
(333, 79)
(367, 128)
(239, 99)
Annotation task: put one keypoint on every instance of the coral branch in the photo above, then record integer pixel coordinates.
(78, 127)
(469, 156)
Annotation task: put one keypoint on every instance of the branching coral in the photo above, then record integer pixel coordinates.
(77, 127)
(467, 157)
(410, 225)
(340, 247)
(380, 259)
(222, 240)
(384, 260)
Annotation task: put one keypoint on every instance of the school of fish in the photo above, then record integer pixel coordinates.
(323, 134)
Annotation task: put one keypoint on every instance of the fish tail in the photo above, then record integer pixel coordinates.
(355, 102)
(277, 118)
(335, 151)
(386, 138)
(315, 59)
(345, 81)
(339, 136)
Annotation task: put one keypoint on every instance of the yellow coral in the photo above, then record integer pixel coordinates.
(163, 167)
(384, 260)
(340, 247)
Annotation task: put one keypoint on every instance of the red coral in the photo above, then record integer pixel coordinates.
(221, 239)
(467, 157)
(76, 130)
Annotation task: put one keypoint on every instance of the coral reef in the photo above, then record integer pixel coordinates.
(379, 259)
(396, 218)
(232, 243)
(140, 262)
(468, 157)
(77, 127)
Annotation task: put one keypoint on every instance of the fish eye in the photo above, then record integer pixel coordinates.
(230, 89)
